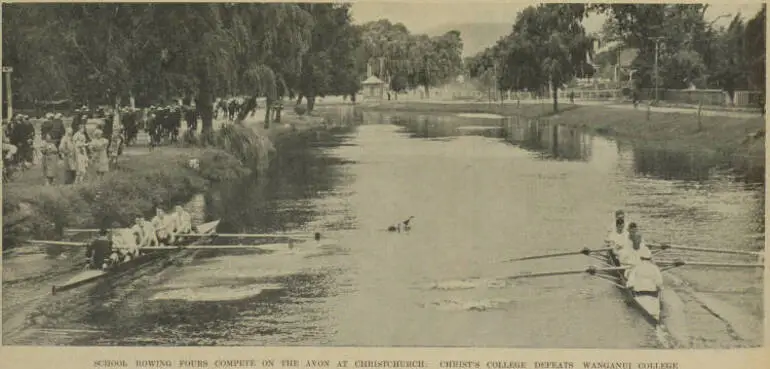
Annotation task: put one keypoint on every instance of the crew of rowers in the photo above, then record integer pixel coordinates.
(123, 244)
(643, 276)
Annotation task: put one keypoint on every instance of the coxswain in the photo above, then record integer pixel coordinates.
(160, 225)
(99, 249)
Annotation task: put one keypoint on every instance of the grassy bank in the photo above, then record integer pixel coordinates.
(161, 178)
(142, 181)
(738, 142)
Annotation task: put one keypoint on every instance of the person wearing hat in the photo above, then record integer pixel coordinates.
(99, 250)
(99, 156)
(617, 238)
(9, 151)
(50, 159)
(47, 126)
(631, 256)
(57, 128)
(67, 152)
(80, 143)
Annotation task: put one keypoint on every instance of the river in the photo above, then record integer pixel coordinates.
(481, 189)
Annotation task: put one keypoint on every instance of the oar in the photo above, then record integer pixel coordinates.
(585, 251)
(58, 243)
(665, 246)
(268, 247)
(590, 270)
(254, 235)
(678, 263)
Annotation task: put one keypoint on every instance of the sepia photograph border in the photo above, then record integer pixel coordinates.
(25, 357)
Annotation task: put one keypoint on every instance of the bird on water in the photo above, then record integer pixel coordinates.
(403, 225)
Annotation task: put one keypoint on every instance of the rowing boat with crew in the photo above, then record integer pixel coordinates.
(121, 249)
(146, 254)
(627, 263)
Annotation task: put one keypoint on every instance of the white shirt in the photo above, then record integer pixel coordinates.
(645, 277)
(184, 221)
(628, 256)
(617, 240)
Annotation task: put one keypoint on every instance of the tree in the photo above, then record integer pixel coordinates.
(756, 50)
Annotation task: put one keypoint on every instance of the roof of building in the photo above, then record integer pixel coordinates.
(372, 80)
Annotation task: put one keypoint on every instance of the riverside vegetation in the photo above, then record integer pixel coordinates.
(139, 184)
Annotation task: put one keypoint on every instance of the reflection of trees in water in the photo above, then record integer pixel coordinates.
(673, 164)
(272, 200)
(551, 140)
(439, 126)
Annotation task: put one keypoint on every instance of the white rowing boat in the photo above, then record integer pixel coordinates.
(648, 304)
(148, 255)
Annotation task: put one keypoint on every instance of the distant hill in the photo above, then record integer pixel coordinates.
(476, 36)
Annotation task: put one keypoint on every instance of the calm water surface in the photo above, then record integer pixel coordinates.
(481, 191)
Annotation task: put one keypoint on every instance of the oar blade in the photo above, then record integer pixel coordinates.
(665, 246)
(679, 263)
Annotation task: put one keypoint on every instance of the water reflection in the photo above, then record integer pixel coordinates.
(551, 140)
(673, 164)
(438, 126)
(302, 171)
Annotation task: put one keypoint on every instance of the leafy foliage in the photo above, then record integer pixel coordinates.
(547, 47)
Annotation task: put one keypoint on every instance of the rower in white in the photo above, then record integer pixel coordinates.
(138, 232)
(646, 282)
(149, 235)
(161, 230)
(617, 237)
(184, 220)
(633, 250)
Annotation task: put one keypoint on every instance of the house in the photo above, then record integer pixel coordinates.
(374, 88)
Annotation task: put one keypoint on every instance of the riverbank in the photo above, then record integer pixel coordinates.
(143, 180)
(738, 140)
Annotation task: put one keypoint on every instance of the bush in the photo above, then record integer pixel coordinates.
(251, 148)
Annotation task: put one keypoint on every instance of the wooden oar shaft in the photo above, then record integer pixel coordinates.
(589, 270)
(585, 251)
(253, 235)
(705, 249)
(705, 264)
(59, 243)
(213, 247)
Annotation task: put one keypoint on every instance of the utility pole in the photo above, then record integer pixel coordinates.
(8, 92)
(657, 50)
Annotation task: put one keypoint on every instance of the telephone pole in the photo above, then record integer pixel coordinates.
(657, 50)
(7, 91)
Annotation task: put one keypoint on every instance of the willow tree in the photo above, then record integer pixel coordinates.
(271, 40)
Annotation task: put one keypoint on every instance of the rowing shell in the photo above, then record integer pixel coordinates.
(649, 306)
(92, 275)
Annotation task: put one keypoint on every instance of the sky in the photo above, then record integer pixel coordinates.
(424, 15)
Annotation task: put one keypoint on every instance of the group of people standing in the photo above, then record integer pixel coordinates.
(124, 244)
(643, 276)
